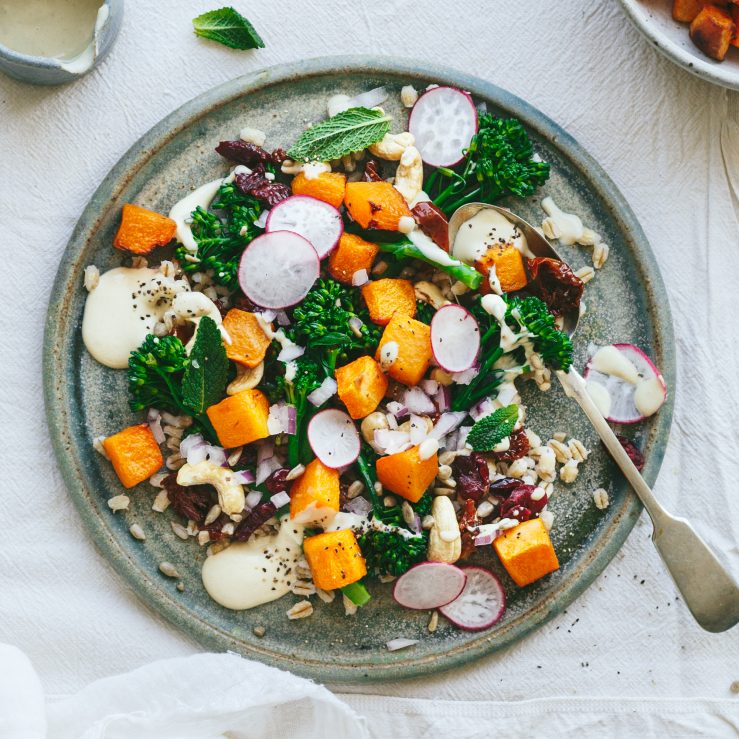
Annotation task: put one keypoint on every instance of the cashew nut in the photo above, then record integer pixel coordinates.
(372, 423)
(192, 306)
(246, 378)
(409, 175)
(445, 539)
(429, 293)
(392, 145)
(230, 493)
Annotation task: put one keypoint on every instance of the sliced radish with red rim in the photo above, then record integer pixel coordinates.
(320, 223)
(443, 122)
(429, 585)
(624, 383)
(481, 604)
(455, 338)
(278, 269)
(333, 437)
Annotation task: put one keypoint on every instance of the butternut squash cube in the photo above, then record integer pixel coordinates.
(406, 474)
(509, 267)
(712, 31)
(387, 297)
(134, 454)
(249, 343)
(376, 205)
(413, 340)
(362, 385)
(314, 496)
(684, 11)
(352, 254)
(241, 418)
(526, 552)
(335, 559)
(734, 10)
(327, 186)
(142, 230)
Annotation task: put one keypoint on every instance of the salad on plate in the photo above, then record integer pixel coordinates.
(328, 386)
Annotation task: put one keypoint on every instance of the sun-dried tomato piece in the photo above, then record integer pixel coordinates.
(276, 482)
(259, 514)
(271, 193)
(505, 486)
(634, 454)
(243, 152)
(556, 284)
(519, 447)
(432, 221)
(191, 502)
(468, 519)
(371, 173)
(247, 183)
(278, 156)
(520, 505)
(472, 476)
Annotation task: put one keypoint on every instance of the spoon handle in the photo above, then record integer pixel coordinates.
(708, 589)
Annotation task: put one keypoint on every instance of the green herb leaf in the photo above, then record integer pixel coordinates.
(205, 378)
(229, 28)
(492, 429)
(351, 130)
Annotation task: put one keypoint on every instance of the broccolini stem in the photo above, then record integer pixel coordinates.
(367, 473)
(466, 397)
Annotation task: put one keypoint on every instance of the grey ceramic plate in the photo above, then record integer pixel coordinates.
(626, 302)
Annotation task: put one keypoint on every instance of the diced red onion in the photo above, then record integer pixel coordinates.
(462, 437)
(280, 499)
(217, 455)
(281, 419)
(359, 506)
(483, 540)
(430, 387)
(265, 450)
(244, 477)
(292, 420)
(253, 498)
(288, 353)
(356, 324)
(484, 408)
(394, 644)
(465, 377)
(327, 389)
(155, 425)
(265, 469)
(392, 422)
(360, 277)
(189, 443)
(282, 318)
(418, 429)
(447, 423)
(397, 409)
(416, 524)
(268, 315)
(370, 99)
(416, 401)
(392, 442)
(261, 222)
(443, 398)
(152, 414)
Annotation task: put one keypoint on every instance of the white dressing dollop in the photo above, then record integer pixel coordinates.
(610, 361)
(181, 212)
(257, 571)
(430, 249)
(486, 229)
(649, 396)
(567, 227)
(122, 309)
(600, 396)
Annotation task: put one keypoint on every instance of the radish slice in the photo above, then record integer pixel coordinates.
(481, 603)
(624, 383)
(443, 121)
(455, 338)
(278, 269)
(313, 219)
(333, 438)
(429, 585)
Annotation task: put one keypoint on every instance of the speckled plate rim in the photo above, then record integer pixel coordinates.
(719, 73)
(59, 406)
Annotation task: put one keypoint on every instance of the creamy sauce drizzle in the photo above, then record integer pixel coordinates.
(649, 396)
(600, 396)
(430, 249)
(567, 227)
(610, 361)
(486, 229)
(257, 571)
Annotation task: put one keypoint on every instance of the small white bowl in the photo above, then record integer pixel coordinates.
(41, 70)
(654, 19)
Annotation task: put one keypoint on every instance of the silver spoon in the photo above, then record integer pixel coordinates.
(708, 589)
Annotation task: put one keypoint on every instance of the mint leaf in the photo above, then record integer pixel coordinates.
(228, 27)
(204, 381)
(492, 429)
(351, 130)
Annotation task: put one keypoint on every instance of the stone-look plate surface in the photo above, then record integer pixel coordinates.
(625, 302)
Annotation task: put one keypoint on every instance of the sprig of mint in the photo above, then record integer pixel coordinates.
(204, 381)
(228, 27)
(346, 132)
(492, 429)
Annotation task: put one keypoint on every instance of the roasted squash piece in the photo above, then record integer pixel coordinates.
(413, 341)
(314, 496)
(134, 454)
(335, 559)
(327, 186)
(526, 552)
(361, 386)
(142, 230)
(352, 254)
(684, 11)
(376, 205)
(712, 31)
(509, 267)
(406, 474)
(249, 343)
(241, 418)
(387, 297)
(734, 10)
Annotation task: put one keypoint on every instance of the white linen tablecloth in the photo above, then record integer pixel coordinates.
(626, 655)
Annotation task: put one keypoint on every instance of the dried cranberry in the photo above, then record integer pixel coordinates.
(520, 505)
(278, 156)
(276, 482)
(261, 513)
(271, 193)
(432, 221)
(189, 502)
(370, 172)
(247, 183)
(518, 447)
(472, 476)
(556, 284)
(243, 152)
(505, 486)
(634, 454)
(468, 520)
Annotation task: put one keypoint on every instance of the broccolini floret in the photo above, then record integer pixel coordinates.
(155, 373)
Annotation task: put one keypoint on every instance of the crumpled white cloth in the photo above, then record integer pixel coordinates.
(206, 696)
